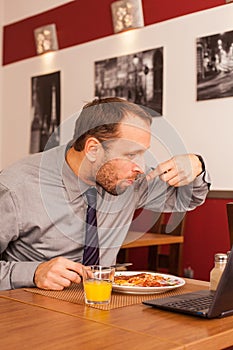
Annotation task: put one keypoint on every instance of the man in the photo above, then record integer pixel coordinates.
(43, 198)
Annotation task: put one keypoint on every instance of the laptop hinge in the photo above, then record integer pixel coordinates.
(226, 313)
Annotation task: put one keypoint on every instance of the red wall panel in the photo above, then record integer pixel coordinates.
(206, 233)
(160, 10)
(85, 20)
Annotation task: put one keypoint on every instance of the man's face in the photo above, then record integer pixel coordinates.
(123, 158)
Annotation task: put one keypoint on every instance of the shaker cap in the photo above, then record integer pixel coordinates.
(220, 257)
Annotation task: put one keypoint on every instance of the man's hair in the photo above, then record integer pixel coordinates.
(101, 117)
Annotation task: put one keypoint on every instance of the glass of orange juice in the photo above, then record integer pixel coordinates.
(97, 283)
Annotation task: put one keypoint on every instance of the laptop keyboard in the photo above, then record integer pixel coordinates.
(199, 303)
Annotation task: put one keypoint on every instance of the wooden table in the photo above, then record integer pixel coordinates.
(151, 239)
(34, 321)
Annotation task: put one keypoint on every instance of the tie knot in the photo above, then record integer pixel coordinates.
(91, 195)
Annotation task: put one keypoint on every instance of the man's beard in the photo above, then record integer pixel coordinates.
(106, 178)
(113, 190)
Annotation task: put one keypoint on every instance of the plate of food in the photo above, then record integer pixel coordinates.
(140, 282)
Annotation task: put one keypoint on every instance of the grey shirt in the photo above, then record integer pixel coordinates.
(43, 210)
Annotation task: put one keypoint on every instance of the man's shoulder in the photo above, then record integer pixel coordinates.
(18, 172)
(28, 167)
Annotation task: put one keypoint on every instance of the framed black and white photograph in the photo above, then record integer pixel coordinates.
(215, 66)
(45, 111)
(137, 77)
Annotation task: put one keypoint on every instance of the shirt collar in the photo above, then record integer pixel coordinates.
(74, 185)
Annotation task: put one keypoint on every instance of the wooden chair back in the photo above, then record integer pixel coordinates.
(161, 255)
(168, 258)
(230, 220)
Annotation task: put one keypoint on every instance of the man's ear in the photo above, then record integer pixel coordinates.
(92, 148)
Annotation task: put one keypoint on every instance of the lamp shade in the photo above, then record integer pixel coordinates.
(46, 39)
(127, 14)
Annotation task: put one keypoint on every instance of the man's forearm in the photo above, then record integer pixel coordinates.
(17, 274)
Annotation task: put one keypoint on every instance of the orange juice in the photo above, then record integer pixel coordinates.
(97, 291)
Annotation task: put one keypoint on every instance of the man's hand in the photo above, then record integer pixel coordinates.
(57, 274)
(178, 171)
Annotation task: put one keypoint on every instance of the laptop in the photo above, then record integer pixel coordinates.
(203, 303)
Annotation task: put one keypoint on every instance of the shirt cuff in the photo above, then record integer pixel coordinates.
(203, 177)
(22, 274)
(202, 163)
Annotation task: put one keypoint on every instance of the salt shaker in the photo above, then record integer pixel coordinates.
(220, 261)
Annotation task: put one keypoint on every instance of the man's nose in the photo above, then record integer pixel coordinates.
(139, 165)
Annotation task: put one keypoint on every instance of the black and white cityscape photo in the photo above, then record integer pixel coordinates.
(45, 111)
(215, 66)
(137, 77)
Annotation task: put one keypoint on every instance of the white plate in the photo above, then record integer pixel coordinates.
(147, 290)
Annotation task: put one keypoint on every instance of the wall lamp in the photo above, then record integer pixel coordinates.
(127, 14)
(46, 39)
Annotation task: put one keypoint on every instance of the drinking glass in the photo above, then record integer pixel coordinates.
(97, 283)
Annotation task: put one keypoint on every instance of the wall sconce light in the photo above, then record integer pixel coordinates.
(46, 39)
(127, 14)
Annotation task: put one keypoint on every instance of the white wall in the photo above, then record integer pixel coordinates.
(13, 11)
(16, 10)
(204, 127)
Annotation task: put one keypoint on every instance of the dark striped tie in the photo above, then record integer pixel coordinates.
(91, 248)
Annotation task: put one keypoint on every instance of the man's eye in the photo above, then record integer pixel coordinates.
(131, 155)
